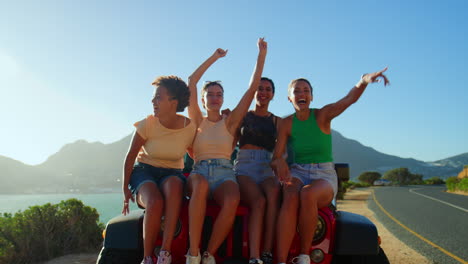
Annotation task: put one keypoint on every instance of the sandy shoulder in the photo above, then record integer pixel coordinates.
(355, 201)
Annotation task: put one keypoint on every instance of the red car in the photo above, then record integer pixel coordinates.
(341, 237)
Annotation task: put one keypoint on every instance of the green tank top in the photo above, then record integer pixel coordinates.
(308, 143)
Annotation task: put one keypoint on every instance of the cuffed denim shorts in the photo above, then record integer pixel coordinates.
(307, 173)
(143, 173)
(254, 163)
(215, 171)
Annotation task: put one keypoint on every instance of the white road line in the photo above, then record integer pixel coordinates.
(449, 204)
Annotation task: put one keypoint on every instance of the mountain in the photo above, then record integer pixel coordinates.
(96, 167)
(362, 158)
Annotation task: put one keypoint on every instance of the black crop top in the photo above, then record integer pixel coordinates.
(259, 131)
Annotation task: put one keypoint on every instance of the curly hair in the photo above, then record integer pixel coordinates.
(291, 84)
(176, 88)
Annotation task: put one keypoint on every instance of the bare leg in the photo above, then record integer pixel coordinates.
(316, 195)
(172, 190)
(271, 189)
(198, 191)
(151, 199)
(287, 219)
(227, 196)
(252, 195)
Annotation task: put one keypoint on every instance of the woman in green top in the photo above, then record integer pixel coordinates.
(311, 182)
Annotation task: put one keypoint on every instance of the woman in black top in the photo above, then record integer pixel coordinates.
(258, 185)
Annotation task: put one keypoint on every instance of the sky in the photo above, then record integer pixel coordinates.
(72, 70)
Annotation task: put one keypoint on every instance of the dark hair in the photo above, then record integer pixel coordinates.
(291, 84)
(208, 84)
(271, 82)
(176, 88)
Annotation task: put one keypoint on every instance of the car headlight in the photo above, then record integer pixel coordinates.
(320, 230)
(177, 230)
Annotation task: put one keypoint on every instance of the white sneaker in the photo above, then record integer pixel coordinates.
(301, 259)
(191, 259)
(164, 257)
(208, 258)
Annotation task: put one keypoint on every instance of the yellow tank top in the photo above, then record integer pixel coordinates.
(213, 141)
(164, 147)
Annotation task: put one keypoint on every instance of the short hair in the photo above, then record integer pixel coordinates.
(291, 84)
(208, 84)
(176, 88)
(271, 82)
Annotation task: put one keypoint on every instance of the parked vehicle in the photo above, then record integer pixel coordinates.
(382, 182)
(341, 237)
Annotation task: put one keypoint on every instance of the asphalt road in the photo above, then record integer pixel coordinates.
(426, 218)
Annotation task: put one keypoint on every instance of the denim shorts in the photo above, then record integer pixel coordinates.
(254, 163)
(307, 173)
(143, 173)
(215, 171)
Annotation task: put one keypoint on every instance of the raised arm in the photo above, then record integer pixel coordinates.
(278, 162)
(238, 113)
(328, 112)
(135, 146)
(194, 109)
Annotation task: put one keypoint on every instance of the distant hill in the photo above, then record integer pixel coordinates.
(96, 167)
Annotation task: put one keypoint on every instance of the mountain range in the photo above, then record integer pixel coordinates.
(96, 167)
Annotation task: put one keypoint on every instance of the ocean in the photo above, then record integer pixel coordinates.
(108, 205)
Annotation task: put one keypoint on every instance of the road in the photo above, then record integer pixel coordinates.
(426, 218)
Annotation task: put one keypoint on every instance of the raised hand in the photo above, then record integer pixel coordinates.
(262, 45)
(375, 77)
(219, 53)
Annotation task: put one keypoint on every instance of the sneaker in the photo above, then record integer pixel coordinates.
(267, 258)
(147, 260)
(164, 257)
(255, 261)
(191, 259)
(208, 258)
(301, 259)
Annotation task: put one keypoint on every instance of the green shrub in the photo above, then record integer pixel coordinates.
(47, 231)
(463, 185)
(434, 180)
(369, 177)
(451, 183)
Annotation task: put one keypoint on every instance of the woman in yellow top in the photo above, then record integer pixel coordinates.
(212, 172)
(159, 144)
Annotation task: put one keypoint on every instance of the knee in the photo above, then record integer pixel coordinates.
(201, 187)
(155, 204)
(273, 195)
(290, 200)
(308, 196)
(259, 203)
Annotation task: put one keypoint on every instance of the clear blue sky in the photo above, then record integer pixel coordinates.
(74, 70)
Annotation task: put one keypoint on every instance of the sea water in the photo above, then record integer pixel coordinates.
(108, 205)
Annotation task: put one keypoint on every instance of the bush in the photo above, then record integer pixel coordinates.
(451, 183)
(463, 185)
(434, 180)
(403, 176)
(369, 177)
(48, 231)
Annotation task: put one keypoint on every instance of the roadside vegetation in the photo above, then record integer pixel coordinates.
(455, 184)
(44, 232)
(398, 176)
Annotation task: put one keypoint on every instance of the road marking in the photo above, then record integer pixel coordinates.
(440, 201)
(416, 234)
